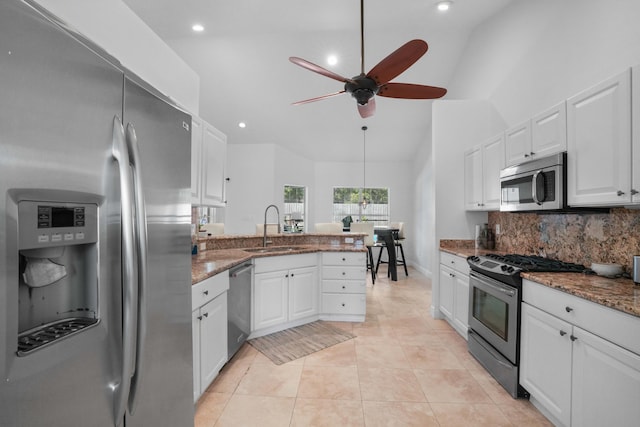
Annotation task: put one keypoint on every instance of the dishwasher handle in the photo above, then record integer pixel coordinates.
(240, 270)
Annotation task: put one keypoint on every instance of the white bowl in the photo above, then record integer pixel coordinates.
(606, 270)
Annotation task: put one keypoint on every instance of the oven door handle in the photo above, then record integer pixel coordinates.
(509, 292)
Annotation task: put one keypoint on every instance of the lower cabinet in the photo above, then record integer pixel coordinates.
(209, 331)
(285, 292)
(578, 378)
(344, 291)
(454, 291)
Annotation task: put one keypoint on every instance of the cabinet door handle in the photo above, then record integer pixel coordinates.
(344, 259)
(532, 153)
(199, 317)
(344, 287)
(568, 309)
(344, 273)
(206, 292)
(343, 304)
(452, 275)
(526, 155)
(573, 337)
(286, 275)
(291, 274)
(620, 193)
(634, 191)
(205, 314)
(562, 333)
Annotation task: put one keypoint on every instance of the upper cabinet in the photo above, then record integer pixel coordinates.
(482, 166)
(549, 131)
(518, 143)
(635, 142)
(599, 168)
(543, 135)
(208, 161)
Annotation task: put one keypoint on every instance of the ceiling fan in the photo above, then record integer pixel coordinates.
(364, 87)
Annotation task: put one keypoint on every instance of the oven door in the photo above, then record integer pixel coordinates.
(493, 313)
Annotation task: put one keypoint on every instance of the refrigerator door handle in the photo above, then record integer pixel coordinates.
(141, 242)
(129, 284)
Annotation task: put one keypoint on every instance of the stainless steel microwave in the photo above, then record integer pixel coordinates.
(536, 185)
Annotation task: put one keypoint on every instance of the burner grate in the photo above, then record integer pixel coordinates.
(537, 263)
(46, 334)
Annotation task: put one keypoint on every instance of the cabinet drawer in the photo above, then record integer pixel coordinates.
(344, 304)
(344, 286)
(344, 273)
(453, 261)
(615, 326)
(284, 262)
(344, 258)
(208, 289)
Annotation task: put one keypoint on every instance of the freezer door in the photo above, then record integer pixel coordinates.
(163, 381)
(56, 110)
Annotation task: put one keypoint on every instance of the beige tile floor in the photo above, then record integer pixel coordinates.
(403, 369)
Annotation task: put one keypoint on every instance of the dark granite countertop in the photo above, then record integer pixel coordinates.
(620, 294)
(211, 262)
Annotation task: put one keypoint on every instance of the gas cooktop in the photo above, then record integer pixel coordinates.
(507, 268)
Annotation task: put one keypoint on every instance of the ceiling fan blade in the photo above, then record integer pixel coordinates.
(318, 69)
(411, 91)
(306, 101)
(398, 61)
(368, 109)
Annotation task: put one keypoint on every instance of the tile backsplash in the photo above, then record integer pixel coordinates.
(582, 238)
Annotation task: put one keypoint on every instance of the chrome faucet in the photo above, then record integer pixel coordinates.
(264, 237)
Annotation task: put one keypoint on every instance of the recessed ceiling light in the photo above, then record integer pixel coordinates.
(198, 28)
(332, 60)
(242, 125)
(443, 6)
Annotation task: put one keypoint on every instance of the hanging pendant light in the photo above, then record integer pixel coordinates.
(363, 199)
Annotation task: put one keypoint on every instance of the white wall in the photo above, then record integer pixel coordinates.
(537, 53)
(115, 28)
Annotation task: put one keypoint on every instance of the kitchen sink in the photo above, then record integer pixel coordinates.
(271, 249)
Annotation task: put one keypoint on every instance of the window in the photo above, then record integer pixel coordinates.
(346, 202)
(294, 208)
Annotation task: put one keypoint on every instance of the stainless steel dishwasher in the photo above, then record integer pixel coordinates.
(239, 307)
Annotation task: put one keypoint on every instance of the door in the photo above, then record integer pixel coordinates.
(214, 153)
(213, 339)
(195, 338)
(473, 197)
(196, 161)
(303, 293)
(56, 119)
(271, 299)
(461, 303)
(599, 144)
(165, 345)
(492, 163)
(517, 142)
(549, 131)
(606, 383)
(545, 361)
(447, 283)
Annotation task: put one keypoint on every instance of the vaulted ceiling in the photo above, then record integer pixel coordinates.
(245, 75)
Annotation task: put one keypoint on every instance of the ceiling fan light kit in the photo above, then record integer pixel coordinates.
(364, 87)
(444, 5)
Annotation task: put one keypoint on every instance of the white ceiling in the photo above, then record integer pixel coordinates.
(245, 75)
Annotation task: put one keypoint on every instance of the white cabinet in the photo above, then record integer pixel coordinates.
(517, 143)
(599, 144)
(344, 290)
(543, 135)
(454, 291)
(285, 292)
(545, 367)
(209, 333)
(208, 160)
(579, 360)
(635, 142)
(482, 166)
(549, 131)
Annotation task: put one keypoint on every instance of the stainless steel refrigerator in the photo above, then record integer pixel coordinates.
(95, 264)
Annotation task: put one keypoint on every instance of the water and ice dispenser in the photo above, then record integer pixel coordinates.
(58, 283)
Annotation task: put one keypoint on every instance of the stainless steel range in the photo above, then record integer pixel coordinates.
(495, 295)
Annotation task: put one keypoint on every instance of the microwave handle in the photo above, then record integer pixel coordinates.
(538, 177)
